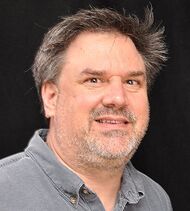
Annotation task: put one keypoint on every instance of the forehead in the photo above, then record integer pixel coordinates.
(112, 52)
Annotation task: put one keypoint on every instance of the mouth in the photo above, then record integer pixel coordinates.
(107, 120)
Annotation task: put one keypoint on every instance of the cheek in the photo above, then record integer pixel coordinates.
(144, 112)
(77, 106)
(140, 105)
(85, 102)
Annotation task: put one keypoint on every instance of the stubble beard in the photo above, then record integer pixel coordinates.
(97, 150)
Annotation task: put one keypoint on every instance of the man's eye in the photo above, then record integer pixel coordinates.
(93, 80)
(132, 82)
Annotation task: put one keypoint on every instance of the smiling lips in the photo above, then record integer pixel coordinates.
(112, 120)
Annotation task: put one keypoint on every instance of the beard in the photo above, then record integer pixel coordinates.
(108, 150)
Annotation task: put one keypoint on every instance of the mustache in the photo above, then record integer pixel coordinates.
(122, 112)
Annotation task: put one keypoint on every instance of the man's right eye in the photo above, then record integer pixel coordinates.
(93, 80)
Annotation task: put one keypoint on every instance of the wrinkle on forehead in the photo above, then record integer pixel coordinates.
(104, 50)
(117, 35)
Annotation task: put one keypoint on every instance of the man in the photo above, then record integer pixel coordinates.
(93, 72)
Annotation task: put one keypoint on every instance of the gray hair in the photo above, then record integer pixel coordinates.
(148, 39)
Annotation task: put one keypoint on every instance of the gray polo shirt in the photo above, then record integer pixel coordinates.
(35, 180)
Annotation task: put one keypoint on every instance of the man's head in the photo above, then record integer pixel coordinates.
(93, 70)
(147, 38)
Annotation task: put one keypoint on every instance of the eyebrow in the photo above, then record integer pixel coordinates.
(88, 71)
(137, 73)
(91, 72)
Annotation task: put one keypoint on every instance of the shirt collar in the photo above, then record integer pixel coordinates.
(67, 181)
(132, 185)
(63, 179)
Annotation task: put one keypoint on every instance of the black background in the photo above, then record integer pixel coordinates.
(164, 153)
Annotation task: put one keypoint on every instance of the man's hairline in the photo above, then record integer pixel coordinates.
(62, 56)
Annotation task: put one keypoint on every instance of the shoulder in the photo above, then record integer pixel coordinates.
(19, 181)
(12, 167)
(154, 195)
(153, 188)
(8, 163)
(17, 171)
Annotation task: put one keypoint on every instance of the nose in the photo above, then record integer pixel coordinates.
(115, 95)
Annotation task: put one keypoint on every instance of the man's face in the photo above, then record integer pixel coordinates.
(102, 109)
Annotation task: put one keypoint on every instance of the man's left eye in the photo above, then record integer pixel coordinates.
(132, 82)
(94, 80)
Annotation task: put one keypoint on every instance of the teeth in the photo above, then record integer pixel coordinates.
(110, 121)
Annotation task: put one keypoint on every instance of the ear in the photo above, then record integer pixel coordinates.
(49, 93)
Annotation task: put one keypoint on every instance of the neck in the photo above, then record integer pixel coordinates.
(105, 182)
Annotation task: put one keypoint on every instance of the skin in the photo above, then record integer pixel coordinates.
(98, 110)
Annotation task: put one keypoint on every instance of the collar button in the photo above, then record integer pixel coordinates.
(73, 199)
(85, 191)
